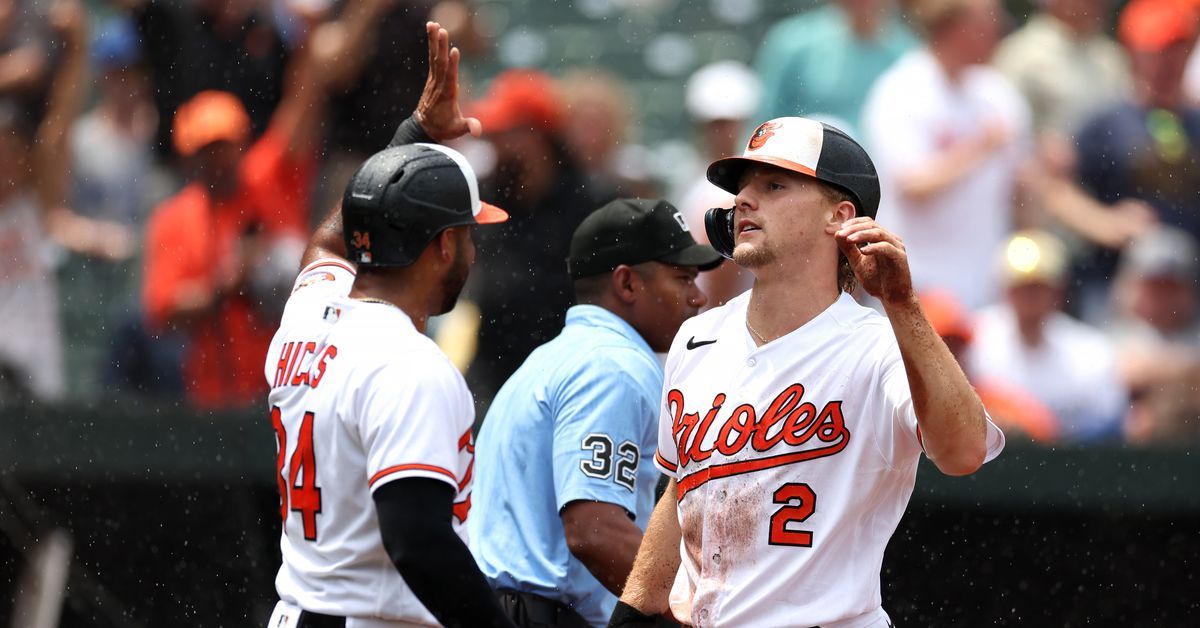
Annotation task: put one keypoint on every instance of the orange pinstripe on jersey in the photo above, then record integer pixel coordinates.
(329, 262)
(414, 466)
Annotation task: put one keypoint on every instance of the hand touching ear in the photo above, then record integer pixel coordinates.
(878, 259)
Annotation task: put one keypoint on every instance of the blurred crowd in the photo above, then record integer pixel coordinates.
(164, 161)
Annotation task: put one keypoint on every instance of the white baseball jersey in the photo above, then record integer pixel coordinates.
(358, 398)
(794, 462)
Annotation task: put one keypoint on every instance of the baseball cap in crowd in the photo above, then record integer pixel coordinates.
(632, 231)
(1152, 25)
(725, 90)
(210, 116)
(520, 98)
(946, 315)
(1162, 252)
(808, 147)
(1033, 256)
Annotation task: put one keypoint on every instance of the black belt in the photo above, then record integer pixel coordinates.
(531, 611)
(309, 619)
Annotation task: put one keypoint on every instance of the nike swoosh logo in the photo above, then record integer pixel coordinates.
(692, 344)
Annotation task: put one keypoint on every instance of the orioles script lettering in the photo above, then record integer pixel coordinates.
(788, 419)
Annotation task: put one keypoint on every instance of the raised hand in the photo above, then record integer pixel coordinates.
(438, 111)
(878, 259)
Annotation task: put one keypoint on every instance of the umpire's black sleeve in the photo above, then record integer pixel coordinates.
(410, 132)
(414, 519)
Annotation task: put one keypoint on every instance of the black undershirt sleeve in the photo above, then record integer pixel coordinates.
(410, 132)
(414, 520)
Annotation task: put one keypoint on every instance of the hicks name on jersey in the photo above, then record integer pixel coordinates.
(299, 364)
(788, 419)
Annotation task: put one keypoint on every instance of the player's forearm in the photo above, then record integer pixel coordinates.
(326, 240)
(948, 410)
(649, 586)
(442, 574)
(603, 538)
(414, 521)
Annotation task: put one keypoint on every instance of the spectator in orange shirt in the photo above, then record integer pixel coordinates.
(218, 251)
(222, 253)
(203, 245)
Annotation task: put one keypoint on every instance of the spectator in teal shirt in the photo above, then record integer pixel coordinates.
(823, 61)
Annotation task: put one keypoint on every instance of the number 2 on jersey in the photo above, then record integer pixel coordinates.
(786, 494)
(303, 497)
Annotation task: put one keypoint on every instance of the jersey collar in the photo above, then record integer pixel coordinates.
(596, 316)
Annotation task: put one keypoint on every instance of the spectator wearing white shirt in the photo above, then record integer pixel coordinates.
(1026, 341)
(949, 135)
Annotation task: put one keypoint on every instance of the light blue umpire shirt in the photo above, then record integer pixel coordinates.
(577, 421)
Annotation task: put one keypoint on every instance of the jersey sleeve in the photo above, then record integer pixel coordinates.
(408, 417)
(899, 439)
(598, 430)
(320, 281)
(667, 456)
(329, 276)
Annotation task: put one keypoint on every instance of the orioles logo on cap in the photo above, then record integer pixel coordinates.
(762, 134)
(361, 240)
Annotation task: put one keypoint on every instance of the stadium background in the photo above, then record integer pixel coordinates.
(172, 512)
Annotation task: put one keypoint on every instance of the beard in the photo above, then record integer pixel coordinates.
(749, 256)
(453, 282)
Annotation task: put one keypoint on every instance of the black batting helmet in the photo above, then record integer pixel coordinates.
(800, 145)
(402, 197)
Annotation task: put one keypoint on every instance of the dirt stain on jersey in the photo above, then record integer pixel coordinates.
(729, 523)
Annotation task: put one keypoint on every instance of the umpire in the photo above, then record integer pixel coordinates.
(562, 495)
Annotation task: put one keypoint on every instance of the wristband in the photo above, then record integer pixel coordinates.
(626, 616)
(410, 132)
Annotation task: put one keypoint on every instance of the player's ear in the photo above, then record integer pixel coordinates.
(623, 283)
(842, 212)
(447, 243)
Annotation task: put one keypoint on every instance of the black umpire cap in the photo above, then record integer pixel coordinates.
(632, 231)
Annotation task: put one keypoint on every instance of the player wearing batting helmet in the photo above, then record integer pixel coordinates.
(564, 492)
(792, 418)
(373, 422)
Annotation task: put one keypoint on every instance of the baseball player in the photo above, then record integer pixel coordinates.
(373, 422)
(564, 490)
(792, 417)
